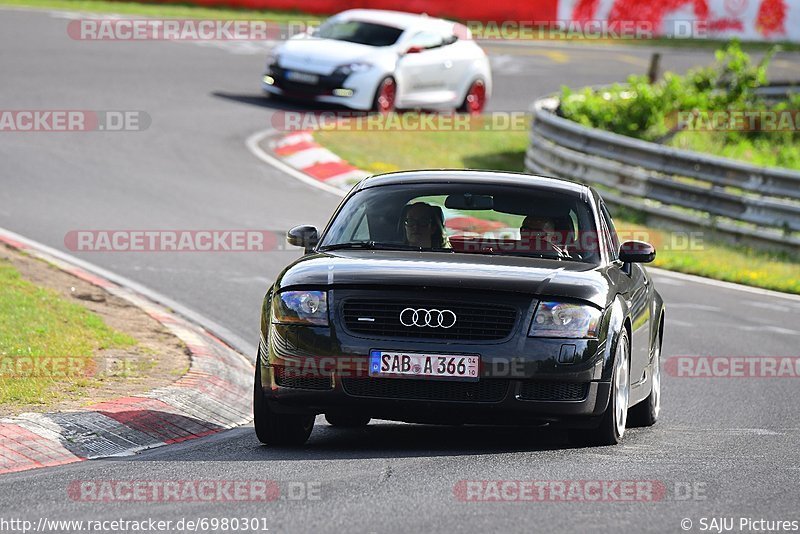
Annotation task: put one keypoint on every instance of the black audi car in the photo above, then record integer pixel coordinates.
(462, 297)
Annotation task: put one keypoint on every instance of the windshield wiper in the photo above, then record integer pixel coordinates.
(369, 245)
(514, 254)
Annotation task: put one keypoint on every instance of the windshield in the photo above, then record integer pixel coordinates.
(356, 31)
(467, 219)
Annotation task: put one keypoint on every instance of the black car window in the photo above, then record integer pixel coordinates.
(361, 232)
(426, 40)
(612, 232)
(449, 39)
(355, 227)
(495, 223)
(607, 246)
(356, 31)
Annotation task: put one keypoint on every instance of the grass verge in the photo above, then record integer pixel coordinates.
(759, 151)
(400, 150)
(177, 10)
(505, 150)
(47, 343)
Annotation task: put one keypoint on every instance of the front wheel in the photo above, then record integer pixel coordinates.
(475, 99)
(385, 96)
(275, 428)
(612, 426)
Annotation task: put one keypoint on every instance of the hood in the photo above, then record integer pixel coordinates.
(443, 270)
(320, 56)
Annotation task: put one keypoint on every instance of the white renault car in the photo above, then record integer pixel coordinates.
(383, 60)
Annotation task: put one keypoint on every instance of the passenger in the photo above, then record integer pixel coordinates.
(542, 229)
(423, 226)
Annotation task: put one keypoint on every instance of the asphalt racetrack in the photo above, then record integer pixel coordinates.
(733, 441)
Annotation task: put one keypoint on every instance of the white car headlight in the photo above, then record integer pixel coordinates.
(565, 319)
(300, 307)
(351, 68)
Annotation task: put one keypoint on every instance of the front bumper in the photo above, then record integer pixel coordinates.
(510, 407)
(522, 380)
(361, 85)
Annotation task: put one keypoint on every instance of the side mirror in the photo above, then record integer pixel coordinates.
(414, 50)
(303, 236)
(637, 252)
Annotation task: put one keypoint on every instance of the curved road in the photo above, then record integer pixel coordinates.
(733, 440)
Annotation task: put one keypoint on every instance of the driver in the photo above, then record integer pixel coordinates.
(423, 226)
(542, 229)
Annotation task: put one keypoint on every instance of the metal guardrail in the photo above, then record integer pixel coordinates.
(744, 203)
(778, 90)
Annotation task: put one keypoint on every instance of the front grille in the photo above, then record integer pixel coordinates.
(325, 85)
(301, 89)
(438, 390)
(294, 378)
(553, 391)
(474, 322)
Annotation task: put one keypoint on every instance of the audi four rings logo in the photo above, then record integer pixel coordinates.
(422, 317)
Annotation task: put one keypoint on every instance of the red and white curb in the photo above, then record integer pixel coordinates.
(214, 395)
(299, 151)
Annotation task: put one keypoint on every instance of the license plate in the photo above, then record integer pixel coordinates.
(302, 77)
(405, 364)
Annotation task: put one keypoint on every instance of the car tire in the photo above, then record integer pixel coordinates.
(385, 96)
(347, 420)
(646, 412)
(274, 428)
(612, 426)
(475, 100)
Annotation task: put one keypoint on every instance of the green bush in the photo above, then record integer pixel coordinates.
(649, 110)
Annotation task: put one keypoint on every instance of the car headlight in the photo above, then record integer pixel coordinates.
(565, 319)
(272, 60)
(300, 307)
(350, 68)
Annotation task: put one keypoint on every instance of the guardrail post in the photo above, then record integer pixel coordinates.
(654, 72)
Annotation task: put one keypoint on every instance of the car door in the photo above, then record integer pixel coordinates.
(635, 287)
(420, 71)
(458, 56)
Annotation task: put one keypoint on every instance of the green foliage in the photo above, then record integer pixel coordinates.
(649, 111)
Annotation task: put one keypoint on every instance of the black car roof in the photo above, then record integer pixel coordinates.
(469, 176)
